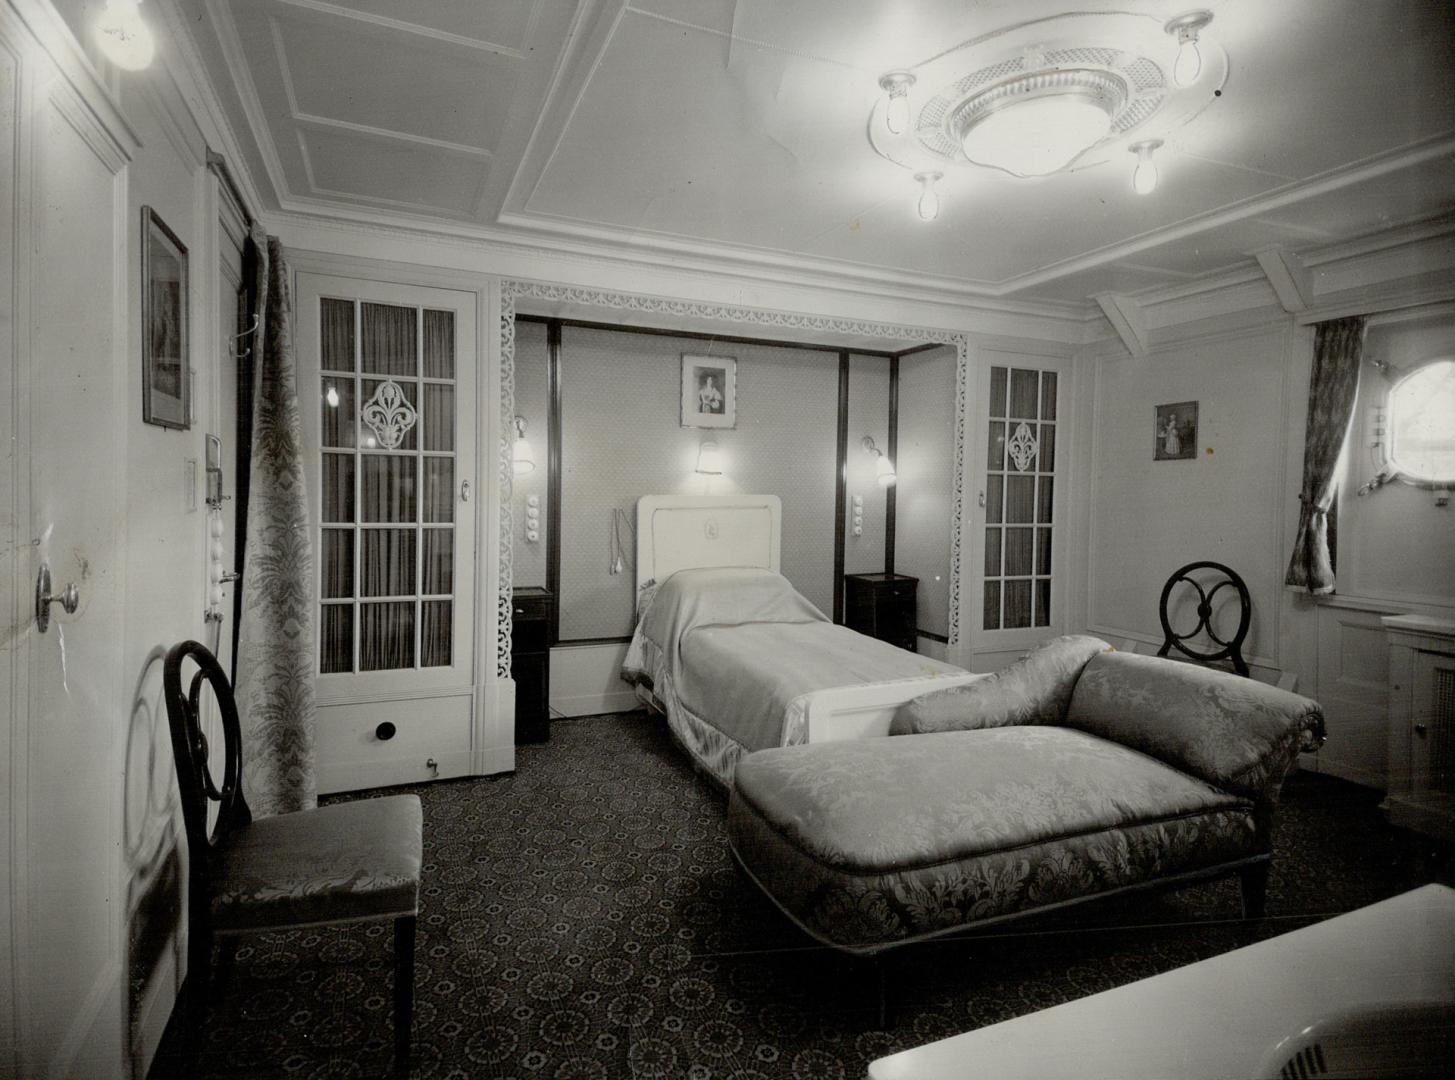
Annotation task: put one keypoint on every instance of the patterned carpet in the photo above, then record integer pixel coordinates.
(582, 918)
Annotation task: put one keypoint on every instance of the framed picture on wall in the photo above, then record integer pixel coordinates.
(1175, 435)
(709, 391)
(166, 382)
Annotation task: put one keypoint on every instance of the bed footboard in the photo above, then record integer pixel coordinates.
(861, 712)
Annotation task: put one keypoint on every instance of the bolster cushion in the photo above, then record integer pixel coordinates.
(1237, 733)
(1033, 690)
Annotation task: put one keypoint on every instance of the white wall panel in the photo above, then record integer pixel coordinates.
(622, 438)
(531, 402)
(868, 415)
(1147, 518)
(926, 480)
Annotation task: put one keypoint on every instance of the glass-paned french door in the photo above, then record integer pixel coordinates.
(1022, 438)
(389, 395)
(1019, 494)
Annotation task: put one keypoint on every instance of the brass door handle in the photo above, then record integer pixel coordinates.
(69, 598)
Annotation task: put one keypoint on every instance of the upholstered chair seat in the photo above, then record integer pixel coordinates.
(340, 863)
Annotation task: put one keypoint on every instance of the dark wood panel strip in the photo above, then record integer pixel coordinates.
(893, 452)
(841, 486)
(553, 472)
(568, 642)
(943, 639)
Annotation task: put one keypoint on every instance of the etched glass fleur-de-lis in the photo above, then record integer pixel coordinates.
(389, 414)
(1022, 447)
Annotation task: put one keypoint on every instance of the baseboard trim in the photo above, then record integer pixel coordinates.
(615, 701)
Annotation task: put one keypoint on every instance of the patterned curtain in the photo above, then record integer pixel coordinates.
(1338, 347)
(275, 662)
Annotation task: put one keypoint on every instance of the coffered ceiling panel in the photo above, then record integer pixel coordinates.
(504, 24)
(380, 77)
(740, 128)
(419, 178)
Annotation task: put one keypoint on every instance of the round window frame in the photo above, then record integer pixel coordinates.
(1390, 464)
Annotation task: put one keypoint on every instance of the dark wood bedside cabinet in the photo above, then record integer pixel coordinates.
(530, 663)
(882, 606)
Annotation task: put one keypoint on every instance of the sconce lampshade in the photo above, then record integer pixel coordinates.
(883, 467)
(523, 458)
(709, 459)
(884, 471)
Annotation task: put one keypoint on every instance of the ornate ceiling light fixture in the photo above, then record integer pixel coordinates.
(1048, 96)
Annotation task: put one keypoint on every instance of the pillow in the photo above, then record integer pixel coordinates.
(1034, 690)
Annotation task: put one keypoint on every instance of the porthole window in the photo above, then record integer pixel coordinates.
(1421, 419)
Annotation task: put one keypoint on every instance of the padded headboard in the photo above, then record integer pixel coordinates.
(679, 532)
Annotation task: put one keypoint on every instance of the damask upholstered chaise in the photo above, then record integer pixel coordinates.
(1075, 773)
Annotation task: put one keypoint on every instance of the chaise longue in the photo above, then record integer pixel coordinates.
(1078, 772)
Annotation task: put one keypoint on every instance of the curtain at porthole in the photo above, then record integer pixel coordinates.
(276, 637)
(1338, 348)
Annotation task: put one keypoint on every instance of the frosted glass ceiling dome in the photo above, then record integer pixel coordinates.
(1038, 124)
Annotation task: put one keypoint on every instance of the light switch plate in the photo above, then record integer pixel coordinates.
(189, 485)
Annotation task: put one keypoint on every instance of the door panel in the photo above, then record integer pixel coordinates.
(387, 383)
(75, 717)
(1016, 543)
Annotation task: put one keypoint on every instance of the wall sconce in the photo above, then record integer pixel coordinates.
(709, 459)
(124, 36)
(883, 467)
(522, 457)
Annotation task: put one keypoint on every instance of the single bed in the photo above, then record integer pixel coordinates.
(734, 657)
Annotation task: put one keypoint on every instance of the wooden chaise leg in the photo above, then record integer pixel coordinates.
(403, 992)
(1254, 883)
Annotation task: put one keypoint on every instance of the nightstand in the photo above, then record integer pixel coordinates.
(882, 606)
(530, 663)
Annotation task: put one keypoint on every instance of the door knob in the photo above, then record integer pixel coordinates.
(69, 598)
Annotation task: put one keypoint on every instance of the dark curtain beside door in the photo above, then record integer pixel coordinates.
(276, 638)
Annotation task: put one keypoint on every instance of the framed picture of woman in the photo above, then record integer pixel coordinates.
(1175, 432)
(166, 380)
(709, 391)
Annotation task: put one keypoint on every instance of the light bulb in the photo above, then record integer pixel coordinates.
(332, 397)
(896, 115)
(896, 86)
(929, 199)
(124, 36)
(1188, 65)
(1144, 176)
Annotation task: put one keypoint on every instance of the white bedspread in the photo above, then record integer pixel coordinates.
(741, 651)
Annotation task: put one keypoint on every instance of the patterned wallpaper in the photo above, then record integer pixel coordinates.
(868, 415)
(622, 438)
(926, 469)
(531, 402)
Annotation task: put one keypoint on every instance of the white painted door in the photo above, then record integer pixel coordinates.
(75, 387)
(387, 385)
(1016, 551)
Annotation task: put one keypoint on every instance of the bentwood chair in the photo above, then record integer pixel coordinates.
(347, 862)
(1206, 579)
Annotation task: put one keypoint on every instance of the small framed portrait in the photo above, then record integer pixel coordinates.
(1175, 434)
(709, 391)
(166, 381)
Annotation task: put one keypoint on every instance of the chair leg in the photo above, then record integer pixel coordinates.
(199, 972)
(403, 992)
(1253, 881)
(226, 960)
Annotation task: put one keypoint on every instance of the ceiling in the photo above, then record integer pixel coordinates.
(737, 130)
